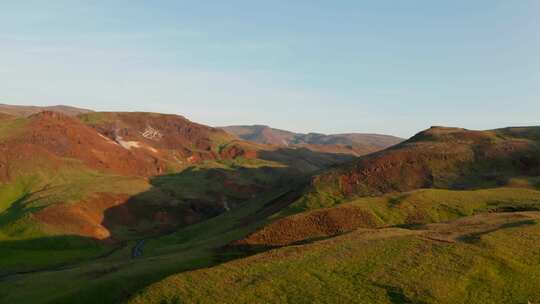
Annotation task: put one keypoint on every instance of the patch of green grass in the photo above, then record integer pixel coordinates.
(11, 127)
(13, 192)
(46, 252)
(220, 141)
(435, 203)
(95, 118)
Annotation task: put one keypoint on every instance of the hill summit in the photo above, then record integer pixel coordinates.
(439, 157)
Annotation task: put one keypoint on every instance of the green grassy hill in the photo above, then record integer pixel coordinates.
(489, 258)
(407, 209)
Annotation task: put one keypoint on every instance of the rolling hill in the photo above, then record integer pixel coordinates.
(447, 158)
(489, 258)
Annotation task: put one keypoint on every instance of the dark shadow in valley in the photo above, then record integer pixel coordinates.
(47, 254)
(474, 238)
(197, 193)
(396, 295)
(178, 200)
(304, 159)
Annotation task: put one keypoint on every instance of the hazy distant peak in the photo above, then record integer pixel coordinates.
(24, 111)
(351, 143)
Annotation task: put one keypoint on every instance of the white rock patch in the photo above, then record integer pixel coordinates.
(134, 144)
(151, 133)
(151, 149)
(108, 139)
(128, 144)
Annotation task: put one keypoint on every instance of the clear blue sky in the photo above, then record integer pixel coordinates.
(391, 67)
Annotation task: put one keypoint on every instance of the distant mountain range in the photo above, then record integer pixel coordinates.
(29, 110)
(350, 143)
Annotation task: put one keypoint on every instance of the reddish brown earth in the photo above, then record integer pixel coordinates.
(51, 135)
(238, 150)
(172, 139)
(67, 137)
(174, 131)
(438, 157)
(319, 223)
(100, 214)
(86, 218)
(5, 116)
